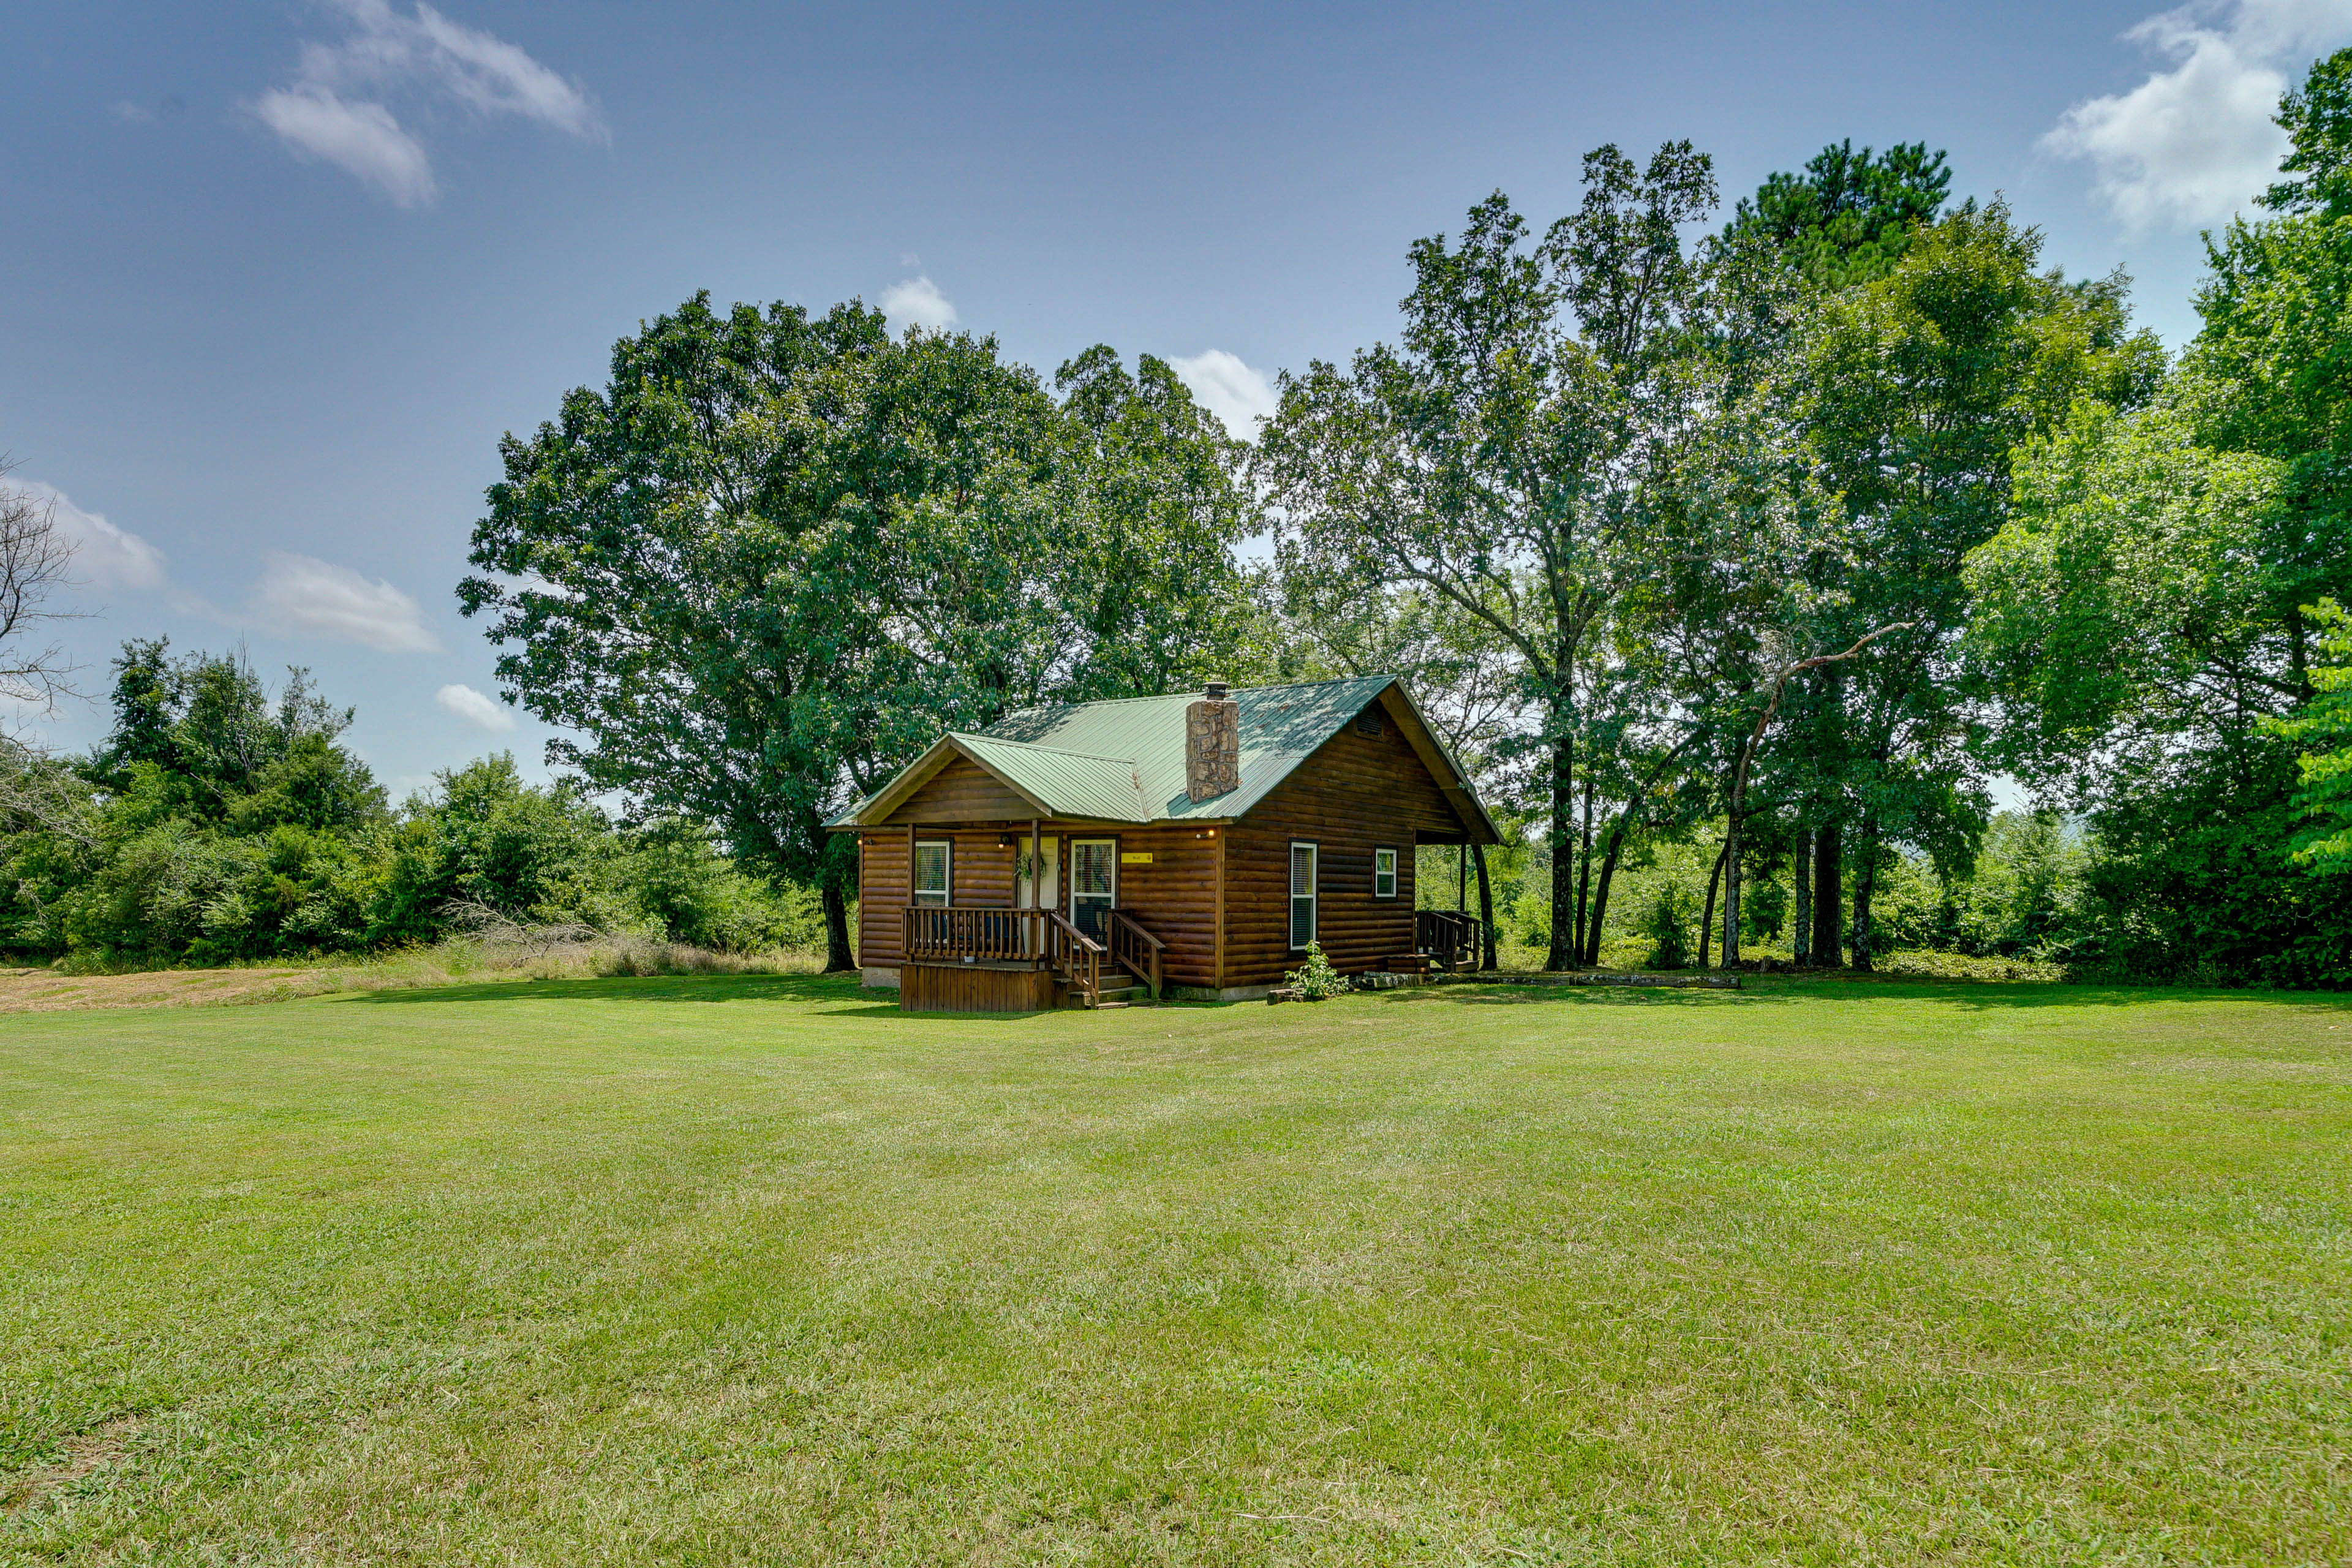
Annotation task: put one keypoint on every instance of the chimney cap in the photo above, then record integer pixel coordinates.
(1215, 691)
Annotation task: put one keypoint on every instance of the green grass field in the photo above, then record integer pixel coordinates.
(761, 1271)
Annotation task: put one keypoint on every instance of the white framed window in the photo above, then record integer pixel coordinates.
(934, 871)
(1384, 873)
(1303, 857)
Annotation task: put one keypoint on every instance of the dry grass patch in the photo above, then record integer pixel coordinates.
(460, 961)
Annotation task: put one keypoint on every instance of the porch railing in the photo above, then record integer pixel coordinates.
(1454, 939)
(951, 934)
(1075, 956)
(1135, 949)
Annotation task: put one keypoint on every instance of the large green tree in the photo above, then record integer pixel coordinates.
(2145, 616)
(2326, 727)
(1916, 387)
(1849, 217)
(1496, 457)
(779, 550)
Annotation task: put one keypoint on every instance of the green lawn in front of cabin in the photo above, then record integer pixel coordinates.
(763, 1270)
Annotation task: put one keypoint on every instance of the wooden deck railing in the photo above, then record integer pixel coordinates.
(956, 933)
(952, 934)
(1135, 949)
(1454, 938)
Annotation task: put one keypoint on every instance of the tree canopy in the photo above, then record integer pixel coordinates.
(779, 552)
(1850, 215)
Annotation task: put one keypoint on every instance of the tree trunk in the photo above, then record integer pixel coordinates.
(2297, 658)
(1865, 882)
(1576, 927)
(1485, 909)
(1601, 891)
(1563, 867)
(1827, 895)
(1707, 921)
(1731, 890)
(1800, 930)
(1584, 867)
(838, 955)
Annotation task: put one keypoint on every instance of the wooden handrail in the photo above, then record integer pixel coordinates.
(1455, 935)
(1077, 955)
(1077, 937)
(1136, 948)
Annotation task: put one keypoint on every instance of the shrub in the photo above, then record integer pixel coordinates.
(1315, 979)
(1666, 924)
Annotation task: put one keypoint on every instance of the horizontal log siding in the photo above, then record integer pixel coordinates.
(960, 792)
(1356, 793)
(980, 872)
(1174, 898)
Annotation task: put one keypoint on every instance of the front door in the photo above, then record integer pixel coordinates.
(1026, 894)
(1094, 883)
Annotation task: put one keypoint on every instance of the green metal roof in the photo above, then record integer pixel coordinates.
(1071, 783)
(1123, 760)
(1281, 726)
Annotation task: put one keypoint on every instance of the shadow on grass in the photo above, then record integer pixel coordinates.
(1981, 996)
(803, 989)
(800, 988)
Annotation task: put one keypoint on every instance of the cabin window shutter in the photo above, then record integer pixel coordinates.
(1302, 894)
(934, 871)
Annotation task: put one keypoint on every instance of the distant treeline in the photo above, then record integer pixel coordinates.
(220, 822)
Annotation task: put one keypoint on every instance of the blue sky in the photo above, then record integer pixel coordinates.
(277, 276)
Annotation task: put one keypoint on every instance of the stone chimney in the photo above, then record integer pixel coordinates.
(1212, 744)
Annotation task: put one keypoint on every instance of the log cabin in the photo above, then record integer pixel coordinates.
(1181, 845)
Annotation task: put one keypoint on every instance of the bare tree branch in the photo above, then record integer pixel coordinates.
(34, 559)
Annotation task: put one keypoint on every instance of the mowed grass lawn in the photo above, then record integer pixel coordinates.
(761, 1270)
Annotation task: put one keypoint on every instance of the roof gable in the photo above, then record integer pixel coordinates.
(1123, 760)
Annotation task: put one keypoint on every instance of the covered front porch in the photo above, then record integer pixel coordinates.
(1010, 916)
(984, 959)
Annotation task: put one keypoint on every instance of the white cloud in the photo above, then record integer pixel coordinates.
(334, 109)
(482, 712)
(104, 556)
(301, 596)
(918, 300)
(2196, 144)
(1229, 389)
(361, 139)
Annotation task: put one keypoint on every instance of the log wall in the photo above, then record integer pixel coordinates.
(1174, 898)
(960, 792)
(980, 873)
(1356, 793)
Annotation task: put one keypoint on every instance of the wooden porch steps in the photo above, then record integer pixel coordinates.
(1119, 989)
